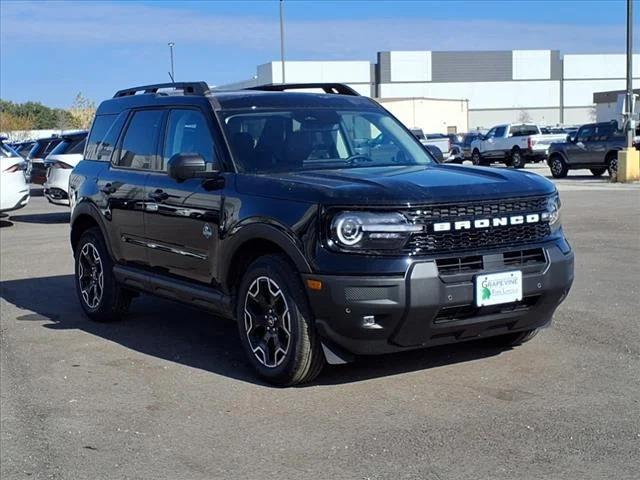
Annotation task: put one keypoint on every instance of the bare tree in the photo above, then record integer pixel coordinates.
(524, 117)
(82, 110)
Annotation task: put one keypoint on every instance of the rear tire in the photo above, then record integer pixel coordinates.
(276, 326)
(597, 172)
(558, 167)
(100, 295)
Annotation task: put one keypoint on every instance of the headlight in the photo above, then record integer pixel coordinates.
(371, 231)
(552, 212)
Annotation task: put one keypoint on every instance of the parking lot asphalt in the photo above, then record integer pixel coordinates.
(166, 394)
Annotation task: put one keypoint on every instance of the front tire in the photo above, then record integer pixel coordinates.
(476, 158)
(276, 325)
(516, 159)
(558, 167)
(100, 295)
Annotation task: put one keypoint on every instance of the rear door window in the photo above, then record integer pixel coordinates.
(140, 142)
(586, 133)
(104, 136)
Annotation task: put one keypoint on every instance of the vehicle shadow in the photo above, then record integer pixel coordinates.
(43, 218)
(3, 221)
(181, 334)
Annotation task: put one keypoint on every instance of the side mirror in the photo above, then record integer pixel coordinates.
(570, 139)
(183, 166)
(435, 152)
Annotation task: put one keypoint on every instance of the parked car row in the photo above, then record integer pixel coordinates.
(593, 146)
(48, 162)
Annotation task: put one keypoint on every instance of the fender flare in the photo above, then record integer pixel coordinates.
(273, 233)
(88, 208)
(557, 152)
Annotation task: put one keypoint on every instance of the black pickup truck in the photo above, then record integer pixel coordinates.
(595, 147)
(280, 210)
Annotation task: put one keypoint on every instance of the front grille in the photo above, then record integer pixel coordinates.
(448, 266)
(437, 213)
(452, 240)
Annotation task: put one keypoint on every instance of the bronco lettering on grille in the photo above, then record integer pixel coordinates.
(486, 222)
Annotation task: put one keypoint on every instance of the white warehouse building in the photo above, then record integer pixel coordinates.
(541, 86)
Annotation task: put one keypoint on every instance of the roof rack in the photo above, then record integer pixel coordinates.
(188, 88)
(334, 88)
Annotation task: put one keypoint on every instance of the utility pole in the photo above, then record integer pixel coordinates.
(171, 73)
(629, 158)
(282, 38)
(630, 98)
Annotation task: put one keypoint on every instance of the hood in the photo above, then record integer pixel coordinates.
(71, 159)
(397, 185)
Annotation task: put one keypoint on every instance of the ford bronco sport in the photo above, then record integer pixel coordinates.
(285, 211)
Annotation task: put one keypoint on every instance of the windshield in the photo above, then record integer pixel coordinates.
(310, 139)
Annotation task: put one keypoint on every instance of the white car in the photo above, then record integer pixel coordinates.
(59, 164)
(14, 190)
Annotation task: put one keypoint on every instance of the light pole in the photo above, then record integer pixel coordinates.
(630, 98)
(171, 73)
(629, 158)
(282, 38)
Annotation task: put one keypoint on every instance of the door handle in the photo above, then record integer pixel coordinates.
(108, 189)
(158, 195)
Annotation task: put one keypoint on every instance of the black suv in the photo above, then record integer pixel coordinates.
(281, 210)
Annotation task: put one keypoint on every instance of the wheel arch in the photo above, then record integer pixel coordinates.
(610, 153)
(85, 216)
(253, 241)
(558, 153)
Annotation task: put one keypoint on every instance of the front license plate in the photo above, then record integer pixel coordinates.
(497, 288)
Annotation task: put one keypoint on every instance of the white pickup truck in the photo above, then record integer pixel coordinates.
(513, 144)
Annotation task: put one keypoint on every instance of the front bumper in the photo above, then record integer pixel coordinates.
(427, 306)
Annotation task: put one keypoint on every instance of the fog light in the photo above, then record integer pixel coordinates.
(369, 321)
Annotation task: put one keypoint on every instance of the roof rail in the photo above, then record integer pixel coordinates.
(335, 88)
(188, 88)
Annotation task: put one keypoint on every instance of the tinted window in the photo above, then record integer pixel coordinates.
(585, 133)
(138, 148)
(38, 148)
(500, 131)
(603, 132)
(187, 132)
(525, 130)
(103, 137)
(49, 148)
(69, 145)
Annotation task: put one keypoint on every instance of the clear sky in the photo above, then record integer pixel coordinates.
(50, 50)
